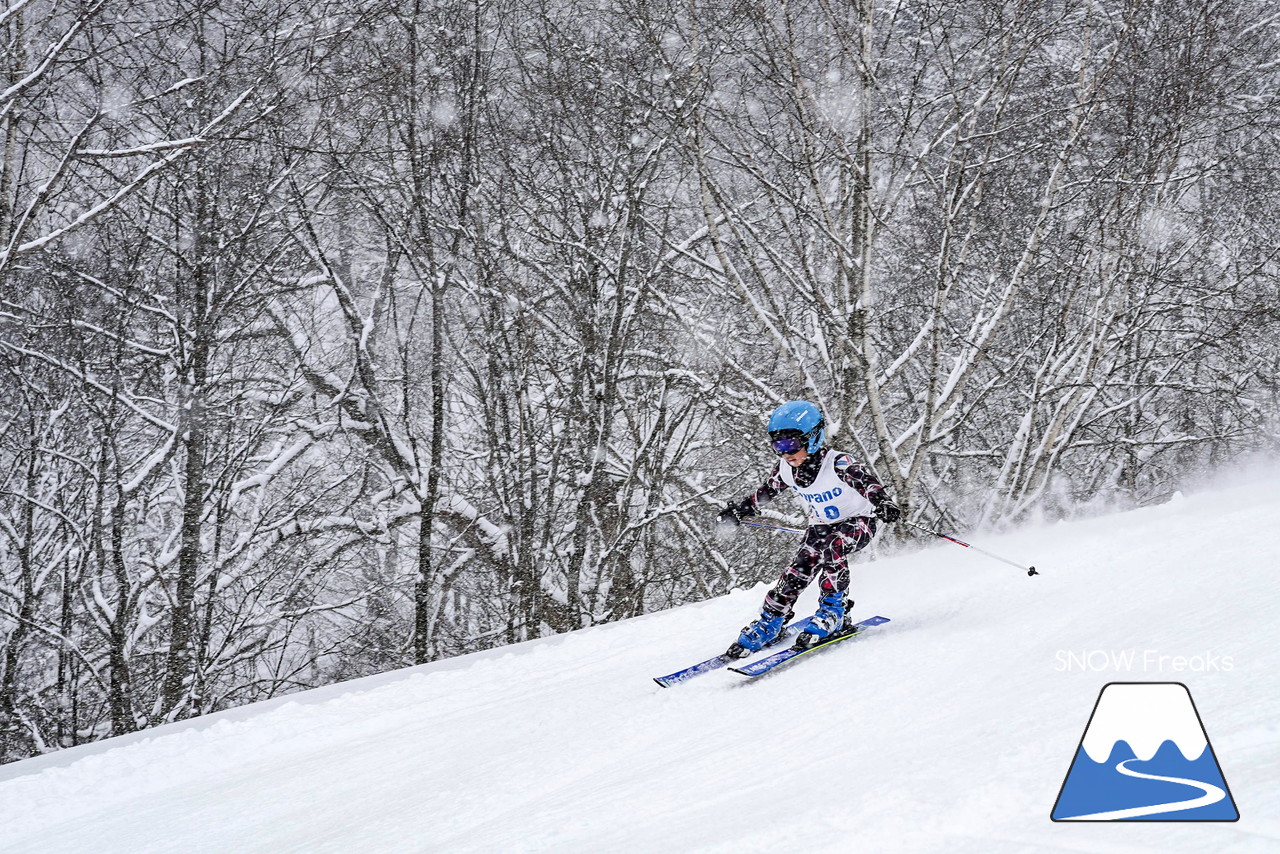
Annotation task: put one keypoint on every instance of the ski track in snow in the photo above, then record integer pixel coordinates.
(950, 728)
(1211, 794)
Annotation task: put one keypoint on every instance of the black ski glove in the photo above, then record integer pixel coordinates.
(887, 511)
(730, 517)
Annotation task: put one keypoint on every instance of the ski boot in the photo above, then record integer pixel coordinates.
(831, 618)
(758, 634)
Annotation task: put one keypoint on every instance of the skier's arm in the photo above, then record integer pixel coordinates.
(750, 505)
(868, 486)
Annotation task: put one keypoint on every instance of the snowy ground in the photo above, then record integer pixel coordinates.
(950, 729)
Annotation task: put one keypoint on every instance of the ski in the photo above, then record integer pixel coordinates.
(764, 665)
(788, 631)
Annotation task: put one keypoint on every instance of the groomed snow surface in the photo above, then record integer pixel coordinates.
(950, 729)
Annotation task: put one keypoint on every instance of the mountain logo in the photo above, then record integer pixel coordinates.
(1145, 756)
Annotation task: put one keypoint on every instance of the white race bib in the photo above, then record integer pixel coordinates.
(829, 499)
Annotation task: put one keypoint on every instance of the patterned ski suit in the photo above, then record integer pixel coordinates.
(826, 548)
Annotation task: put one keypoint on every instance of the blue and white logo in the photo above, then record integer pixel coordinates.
(1145, 756)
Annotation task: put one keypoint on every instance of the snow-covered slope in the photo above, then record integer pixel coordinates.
(950, 729)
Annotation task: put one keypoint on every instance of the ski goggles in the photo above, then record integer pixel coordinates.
(784, 445)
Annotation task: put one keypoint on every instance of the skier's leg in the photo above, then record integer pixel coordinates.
(778, 601)
(796, 577)
(833, 578)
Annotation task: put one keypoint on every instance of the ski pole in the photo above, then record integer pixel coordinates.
(773, 527)
(1031, 570)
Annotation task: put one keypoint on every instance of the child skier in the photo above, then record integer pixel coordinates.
(844, 500)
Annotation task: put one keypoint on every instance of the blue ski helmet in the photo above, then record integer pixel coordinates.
(798, 418)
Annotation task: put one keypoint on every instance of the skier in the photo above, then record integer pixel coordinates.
(844, 500)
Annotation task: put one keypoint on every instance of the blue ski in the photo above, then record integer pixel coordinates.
(764, 665)
(788, 631)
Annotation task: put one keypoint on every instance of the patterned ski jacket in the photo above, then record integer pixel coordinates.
(847, 469)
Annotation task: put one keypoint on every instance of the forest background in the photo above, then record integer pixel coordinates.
(339, 337)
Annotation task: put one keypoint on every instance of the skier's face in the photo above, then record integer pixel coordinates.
(790, 446)
(796, 458)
